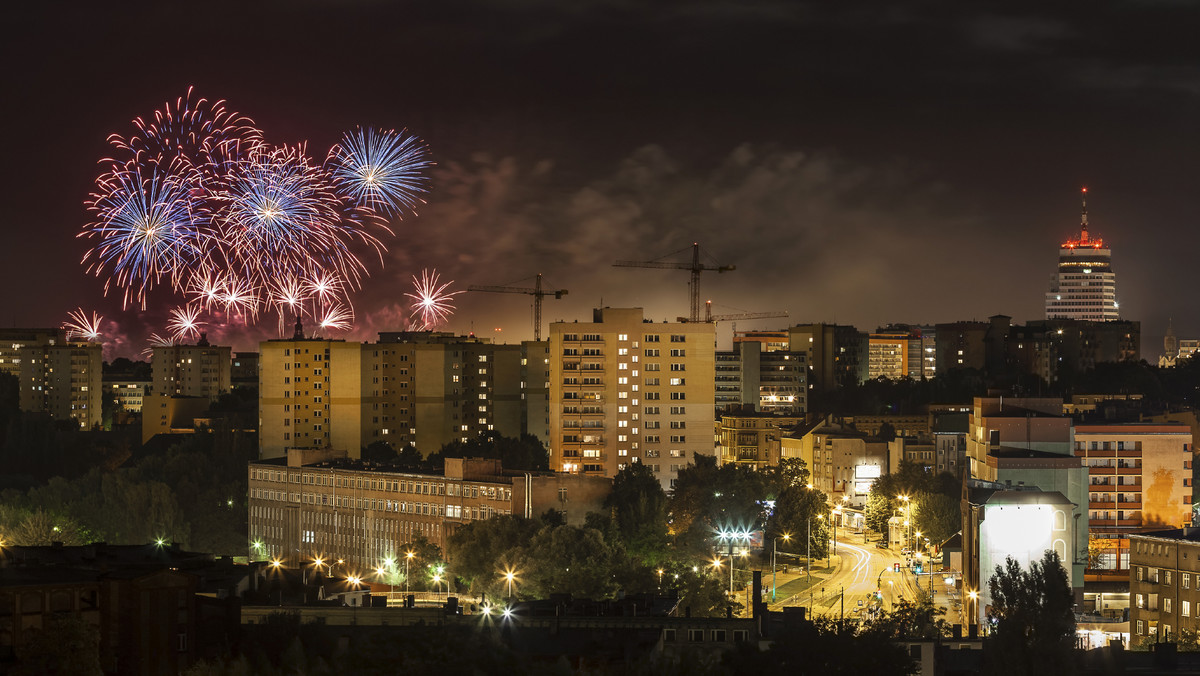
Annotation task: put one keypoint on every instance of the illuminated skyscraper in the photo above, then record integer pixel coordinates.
(1084, 286)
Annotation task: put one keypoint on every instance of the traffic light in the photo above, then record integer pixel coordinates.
(896, 567)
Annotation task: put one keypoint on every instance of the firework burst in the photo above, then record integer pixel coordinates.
(382, 170)
(195, 204)
(79, 325)
(431, 301)
(185, 324)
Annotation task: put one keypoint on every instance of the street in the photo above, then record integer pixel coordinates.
(846, 585)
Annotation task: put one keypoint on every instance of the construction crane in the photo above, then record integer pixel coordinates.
(710, 317)
(538, 294)
(696, 267)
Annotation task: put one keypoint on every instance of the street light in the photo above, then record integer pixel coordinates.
(974, 596)
(407, 558)
(774, 545)
(660, 574)
(509, 576)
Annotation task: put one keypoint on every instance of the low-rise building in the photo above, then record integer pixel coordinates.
(753, 439)
(319, 503)
(843, 462)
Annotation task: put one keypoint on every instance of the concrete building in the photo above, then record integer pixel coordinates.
(64, 380)
(960, 345)
(769, 381)
(770, 341)
(174, 414)
(917, 450)
(319, 503)
(624, 389)
(1163, 584)
(1018, 522)
(896, 352)
(752, 438)
(419, 389)
(12, 340)
(843, 462)
(1028, 442)
(837, 355)
(130, 394)
(199, 370)
(1139, 478)
(1084, 286)
(950, 441)
(243, 369)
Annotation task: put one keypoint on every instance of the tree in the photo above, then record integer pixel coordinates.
(938, 516)
(801, 512)
(639, 512)
(567, 559)
(65, 645)
(708, 499)
(481, 551)
(908, 621)
(703, 593)
(1034, 615)
(878, 510)
(427, 561)
(525, 453)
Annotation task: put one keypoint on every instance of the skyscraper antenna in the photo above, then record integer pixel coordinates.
(1083, 233)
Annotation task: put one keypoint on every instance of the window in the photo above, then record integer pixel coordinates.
(1140, 575)
(1185, 608)
(1186, 580)
(1141, 628)
(741, 635)
(676, 338)
(1167, 605)
(676, 396)
(718, 635)
(1139, 601)
(696, 635)
(669, 635)
(677, 352)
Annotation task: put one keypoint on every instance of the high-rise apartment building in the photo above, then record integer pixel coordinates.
(837, 355)
(199, 370)
(623, 389)
(1139, 478)
(771, 381)
(895, 352)
(1084, 287)
(418, 389)
(12, 340)
(64, 380)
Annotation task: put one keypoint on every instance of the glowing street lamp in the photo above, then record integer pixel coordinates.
(974, 596)
(774, 548)
(408, 557)
(509, 576)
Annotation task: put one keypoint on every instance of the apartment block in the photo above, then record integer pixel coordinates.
(751, 438)
(1164, 584)
(1139, 478)
(837, 355)
(843, 461)
(12, 340)
(624, 389)
(64, 380)
(770, 381)
(320, 503)
(419, 389)
(895, 352)
(199, 370)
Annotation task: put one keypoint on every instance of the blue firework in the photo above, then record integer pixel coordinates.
(150, 230)
(381, 170)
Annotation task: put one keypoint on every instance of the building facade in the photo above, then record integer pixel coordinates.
(769, 381)
(1084, 287)
(1139, 478)
(837, 355)
(65, 380)
(200, 370)
(418, 389)
(1164, 584)
(753, 439)
(623, 390)
(12, 340)
(321, 504)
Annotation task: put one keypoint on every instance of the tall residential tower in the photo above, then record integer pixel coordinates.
(1084, 286)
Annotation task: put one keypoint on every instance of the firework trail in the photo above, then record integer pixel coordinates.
(338, 318)
(431, 301)
(79, 325)
(185, 325)
(196, 204)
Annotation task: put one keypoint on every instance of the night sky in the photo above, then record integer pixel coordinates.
(859, 162)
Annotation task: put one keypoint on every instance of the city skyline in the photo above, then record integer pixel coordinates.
(858, 165)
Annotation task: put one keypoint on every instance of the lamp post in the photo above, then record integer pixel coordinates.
(774, 548)
(509, 575)
(660, 574)
(408, 556)
(974, 596)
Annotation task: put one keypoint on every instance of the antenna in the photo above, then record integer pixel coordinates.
(1083, 233)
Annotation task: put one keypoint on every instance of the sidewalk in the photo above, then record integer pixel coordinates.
(793, 585)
